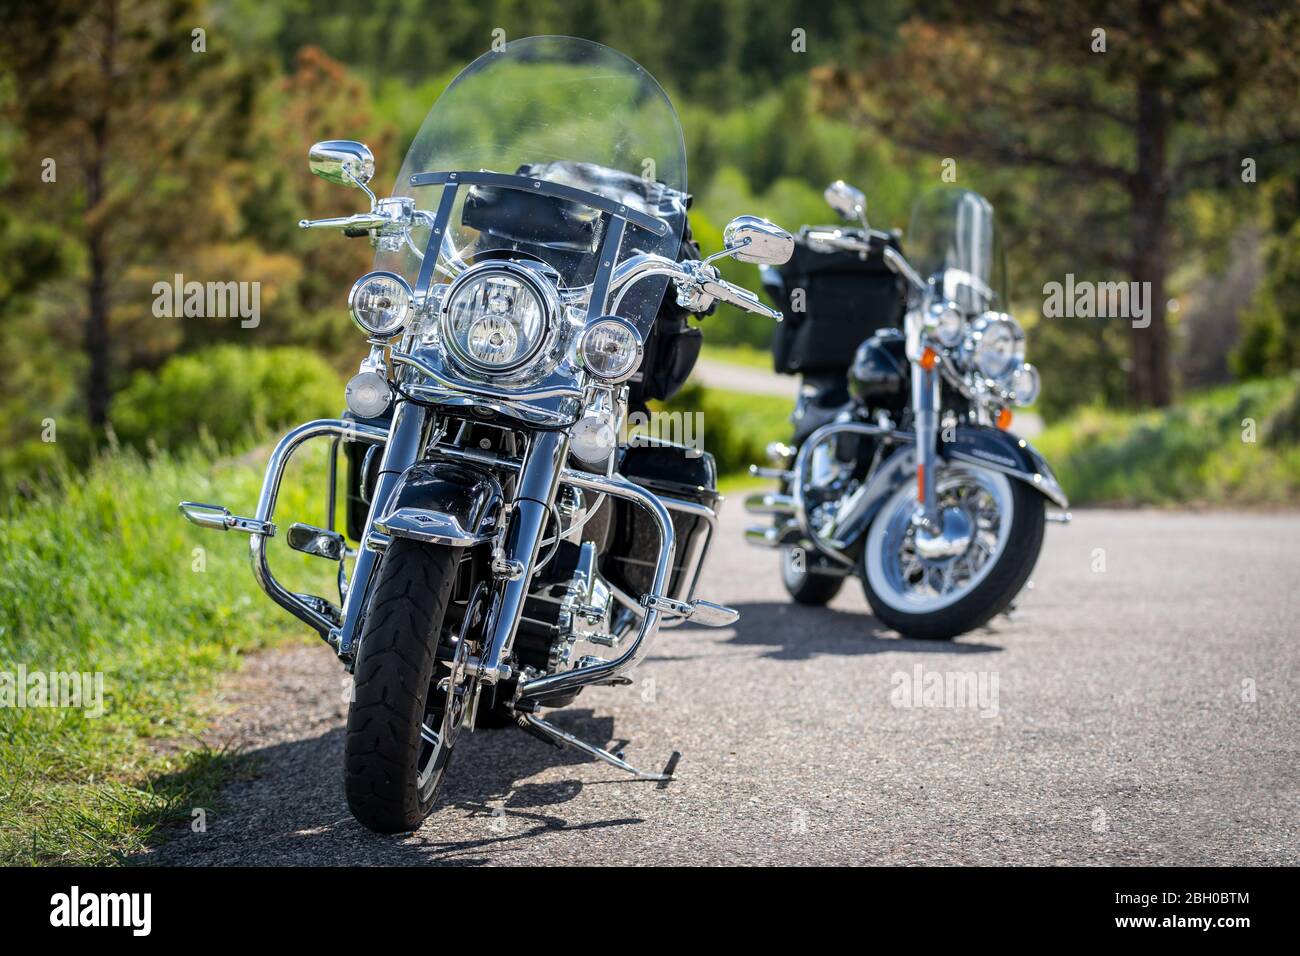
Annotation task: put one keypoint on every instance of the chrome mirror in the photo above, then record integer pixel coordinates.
(342, 161)
(848, 201)
(753, 239)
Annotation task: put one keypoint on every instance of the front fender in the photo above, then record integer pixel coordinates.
(999, 451)
(443, 502)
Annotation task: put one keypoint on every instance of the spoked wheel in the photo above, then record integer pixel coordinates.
(803, 585)
(936, 584)
(407, 710)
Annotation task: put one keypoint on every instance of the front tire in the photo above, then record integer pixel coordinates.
(392, 769)
(933, 599)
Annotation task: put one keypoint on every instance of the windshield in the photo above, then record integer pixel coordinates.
(556, 110)
(953, 241)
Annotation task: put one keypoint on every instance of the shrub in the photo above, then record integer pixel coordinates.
(230, 392)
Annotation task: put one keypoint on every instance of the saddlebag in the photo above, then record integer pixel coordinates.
(668, 470)
(845, 298)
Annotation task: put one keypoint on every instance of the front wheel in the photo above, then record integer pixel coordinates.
(407, 705)
(936, 585)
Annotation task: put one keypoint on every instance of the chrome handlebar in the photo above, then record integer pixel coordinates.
(698, 284)
(361, 221)
(837, 239)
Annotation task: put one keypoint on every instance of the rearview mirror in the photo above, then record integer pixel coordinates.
(752, 239)
(848, 201)
(342, 161)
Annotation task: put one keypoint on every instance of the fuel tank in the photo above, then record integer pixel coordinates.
(879, 374)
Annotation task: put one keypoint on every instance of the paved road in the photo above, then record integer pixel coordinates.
(1146, 706)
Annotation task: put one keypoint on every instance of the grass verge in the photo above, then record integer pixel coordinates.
(102, 576)
(1236, 445)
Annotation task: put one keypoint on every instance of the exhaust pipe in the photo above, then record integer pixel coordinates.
(769, 503)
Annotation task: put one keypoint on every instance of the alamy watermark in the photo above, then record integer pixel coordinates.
(976, 690)
(23, 689)
(209, 300)
(681, 428)
(1083, 299)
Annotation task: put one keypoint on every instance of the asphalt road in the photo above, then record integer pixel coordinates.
(1146, 708)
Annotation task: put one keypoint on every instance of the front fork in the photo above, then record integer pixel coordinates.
(535, 492)
(406, 440)
(925, 414)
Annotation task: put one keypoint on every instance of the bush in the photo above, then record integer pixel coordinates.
(1235, 445)
(230, 392)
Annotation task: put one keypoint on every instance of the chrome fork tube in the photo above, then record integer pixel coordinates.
(538, 479)
(925, 401)
(405, 443)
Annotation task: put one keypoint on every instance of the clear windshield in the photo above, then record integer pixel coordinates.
(953, 241)
(562, 110)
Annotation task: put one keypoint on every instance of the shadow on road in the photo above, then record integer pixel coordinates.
(795, 632)
(293, 811)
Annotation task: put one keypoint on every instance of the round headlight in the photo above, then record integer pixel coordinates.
(948, 323)
(495, 317)
(610, 348)
(1001, 347)
(379, 303)
(1026, 384)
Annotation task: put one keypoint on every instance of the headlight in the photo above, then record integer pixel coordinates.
(379, 303)
(610, 348)
(948, 324)
(1001, 347)
(1026, 384)
(495, 317)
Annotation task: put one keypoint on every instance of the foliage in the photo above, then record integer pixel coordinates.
(1104, 118)
(736, 427)
(1234, 445)
(226, 392)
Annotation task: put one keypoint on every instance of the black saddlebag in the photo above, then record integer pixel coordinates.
(667, 470)
(844, 299)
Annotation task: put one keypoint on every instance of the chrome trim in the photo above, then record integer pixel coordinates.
(564, 738)
(432, 527)
(769, 503)
(294, 603)
(1045, 484)
(505, 394)
(802, 463)
(618, 487)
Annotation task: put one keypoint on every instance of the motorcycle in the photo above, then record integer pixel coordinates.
(500, 535)
(903, 470)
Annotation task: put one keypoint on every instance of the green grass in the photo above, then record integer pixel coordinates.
(746, 355)
(1198, 452)
(736, 426)
(102, 575)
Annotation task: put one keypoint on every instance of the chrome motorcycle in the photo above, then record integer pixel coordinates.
(505, 535)
(903, 470)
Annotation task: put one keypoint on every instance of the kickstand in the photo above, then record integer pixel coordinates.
(548, 731)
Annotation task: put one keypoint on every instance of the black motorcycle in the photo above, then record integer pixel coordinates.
(902, 469)
(505, 546)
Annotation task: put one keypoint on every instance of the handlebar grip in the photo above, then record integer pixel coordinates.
(355, 232)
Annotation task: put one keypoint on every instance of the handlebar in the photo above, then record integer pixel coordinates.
(847, 242)
(361, 222)
(740, 297)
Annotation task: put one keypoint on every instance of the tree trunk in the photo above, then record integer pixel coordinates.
(1149, 380)
(97, 337)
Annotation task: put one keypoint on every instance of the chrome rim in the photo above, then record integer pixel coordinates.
(457, 691)
(919, 572)
(437, 742)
